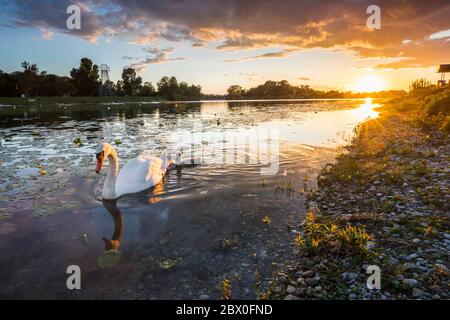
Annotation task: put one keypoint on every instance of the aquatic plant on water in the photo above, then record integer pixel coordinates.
(266, 220)
(78, 141)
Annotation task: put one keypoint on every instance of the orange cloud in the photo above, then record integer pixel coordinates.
(247, 24)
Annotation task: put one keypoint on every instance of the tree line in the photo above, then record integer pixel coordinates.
(284, 90)
(85, 81)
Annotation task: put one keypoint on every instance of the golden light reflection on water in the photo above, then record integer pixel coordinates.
(157, 190)
(365, 110)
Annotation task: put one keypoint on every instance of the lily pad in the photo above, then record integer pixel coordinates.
(78, 142)
(108, 259)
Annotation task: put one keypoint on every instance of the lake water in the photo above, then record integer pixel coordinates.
(202, 224)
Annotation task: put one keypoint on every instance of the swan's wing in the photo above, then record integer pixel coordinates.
(139, 174)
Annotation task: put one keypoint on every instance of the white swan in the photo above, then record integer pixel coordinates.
(137, 175)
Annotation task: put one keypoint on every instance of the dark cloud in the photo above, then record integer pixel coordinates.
(51, 15)
(243, 42)
(246, 24)
(277, 54)
(155, 56)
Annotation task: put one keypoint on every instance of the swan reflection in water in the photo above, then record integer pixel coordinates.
(114, 242)
(111, 255)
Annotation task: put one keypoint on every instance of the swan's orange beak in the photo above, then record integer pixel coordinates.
(99, 165)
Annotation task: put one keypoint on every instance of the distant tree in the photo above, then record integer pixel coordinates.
(31, 68)
(131, 82)
(86, 78)
(147, 90)
(30, 82)
(235, 92)
(170, 89)
(108, 88)
(188, 92)
(53, 85)
(119, 88)
(29, 79)
(283, 90)
(305, 91)
(8, 85)
(84, 81)
(334, 94)
(113, 87)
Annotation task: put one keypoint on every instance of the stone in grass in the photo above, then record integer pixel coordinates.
(410, 283)
(290, 289)
(308, 274)
(140, 286)
(441, 267)
(300, 291)
(311, 281)
(412, 256)
(163, 242)
(417, 293)
(349, 276)
(352, 275)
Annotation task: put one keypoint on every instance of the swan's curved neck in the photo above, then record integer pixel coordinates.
(109, 188)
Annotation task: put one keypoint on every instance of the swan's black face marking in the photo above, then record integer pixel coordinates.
(100, 157)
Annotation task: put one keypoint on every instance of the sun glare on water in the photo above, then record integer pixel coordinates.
(365, 110)
(369, 83)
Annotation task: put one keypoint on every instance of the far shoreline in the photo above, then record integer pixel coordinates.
(32, 101)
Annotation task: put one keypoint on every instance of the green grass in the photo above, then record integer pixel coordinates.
(285, 186)
(429, 106)
(322, 234)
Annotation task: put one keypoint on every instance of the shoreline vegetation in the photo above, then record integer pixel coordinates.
(67, 101)
(384, 202)
(84, 85)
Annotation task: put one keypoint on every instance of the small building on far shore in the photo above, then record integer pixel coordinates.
(443, 69)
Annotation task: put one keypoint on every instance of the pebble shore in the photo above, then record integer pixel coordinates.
(393, 179)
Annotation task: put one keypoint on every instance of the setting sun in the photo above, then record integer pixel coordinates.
(369, 83)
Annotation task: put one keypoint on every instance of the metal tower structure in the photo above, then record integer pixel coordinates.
(104, 73)
(106, 86)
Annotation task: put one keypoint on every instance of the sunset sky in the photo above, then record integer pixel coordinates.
(218, 43)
